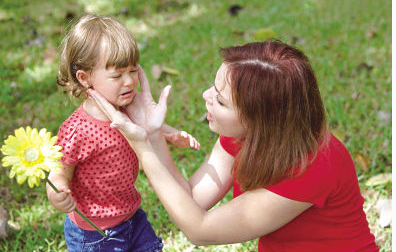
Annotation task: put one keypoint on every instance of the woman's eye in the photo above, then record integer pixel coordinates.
(116, 77)
(133, 71)
(217, 98)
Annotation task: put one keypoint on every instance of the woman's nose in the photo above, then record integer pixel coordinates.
(207, 95)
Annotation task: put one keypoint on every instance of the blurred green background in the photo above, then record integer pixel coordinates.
(348, 43)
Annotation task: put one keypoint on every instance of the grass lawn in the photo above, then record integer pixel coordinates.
(348, 42)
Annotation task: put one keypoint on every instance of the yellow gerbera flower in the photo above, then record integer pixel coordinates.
(31, 154)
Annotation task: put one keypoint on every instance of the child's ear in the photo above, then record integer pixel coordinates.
(82, 77)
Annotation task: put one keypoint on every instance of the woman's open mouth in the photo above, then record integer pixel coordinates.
(209, 117)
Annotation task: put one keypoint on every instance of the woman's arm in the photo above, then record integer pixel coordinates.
(214, 177)
(210, 182)
(251, 215)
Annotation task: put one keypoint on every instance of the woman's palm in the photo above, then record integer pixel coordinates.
(144, 112)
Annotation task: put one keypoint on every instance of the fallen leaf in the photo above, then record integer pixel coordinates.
(361, 66)
(13, 84)
(297, 40)
(156, 71)
(384, 208)
(4, 15)
(355, 95)
(234, 9)
(264, 34)
(379, 179)
(362, 161)
(14, 225)
(4, 230)
(171, 71)
(371, 34)
(384, 117)
(70, 16)
(37, 40)
(124, 10)
(238, 32)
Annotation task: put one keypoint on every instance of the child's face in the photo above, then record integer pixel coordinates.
(118, 86)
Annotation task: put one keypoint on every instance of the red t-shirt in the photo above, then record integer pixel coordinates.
(106, 168)
(335, 222)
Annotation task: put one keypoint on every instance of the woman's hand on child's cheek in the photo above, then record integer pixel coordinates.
(119, 120)
(182, 139)
(143, 111)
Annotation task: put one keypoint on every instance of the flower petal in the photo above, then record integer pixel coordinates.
(21, 178)
(10, 160)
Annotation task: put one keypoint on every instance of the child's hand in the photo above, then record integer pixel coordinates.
(182, 139)
(62, 200)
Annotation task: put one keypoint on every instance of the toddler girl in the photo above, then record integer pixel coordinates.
(99, 166)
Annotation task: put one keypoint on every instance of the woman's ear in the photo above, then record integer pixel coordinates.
(82, 77)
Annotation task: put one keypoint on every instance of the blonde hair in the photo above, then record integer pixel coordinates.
(82, 45)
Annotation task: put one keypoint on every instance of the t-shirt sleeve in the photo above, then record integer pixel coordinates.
(230, 145)
(76, 146)
(314, 185)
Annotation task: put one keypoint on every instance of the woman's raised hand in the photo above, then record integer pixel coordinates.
(144, 115)
(143, 111)
(119, 120)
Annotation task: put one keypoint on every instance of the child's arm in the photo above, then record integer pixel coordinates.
(179, 138)
(61, 179)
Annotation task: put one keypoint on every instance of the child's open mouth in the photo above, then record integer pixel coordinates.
(127, 94)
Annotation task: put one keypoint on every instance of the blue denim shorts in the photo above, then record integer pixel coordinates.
(135, 235)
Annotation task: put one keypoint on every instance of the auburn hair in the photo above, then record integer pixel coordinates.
(278, 102)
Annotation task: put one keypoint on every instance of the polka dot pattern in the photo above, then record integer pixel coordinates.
(106, 167)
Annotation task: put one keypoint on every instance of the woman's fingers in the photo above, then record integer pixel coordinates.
(130, 130)
(143, 80)
(164, 96)
(103, 104)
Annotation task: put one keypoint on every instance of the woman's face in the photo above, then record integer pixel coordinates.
(222, 114)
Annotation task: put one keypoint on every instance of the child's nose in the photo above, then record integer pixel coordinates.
(129, 81)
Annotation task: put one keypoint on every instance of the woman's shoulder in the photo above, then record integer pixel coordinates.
(230, 144)
(322, 177)
(333, 156)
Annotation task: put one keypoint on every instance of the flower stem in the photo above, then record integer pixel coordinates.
(78, 211)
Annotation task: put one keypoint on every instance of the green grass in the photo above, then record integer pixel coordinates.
(337, 36)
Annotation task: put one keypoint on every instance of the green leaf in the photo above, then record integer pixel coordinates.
(169, 70)
(264, 34)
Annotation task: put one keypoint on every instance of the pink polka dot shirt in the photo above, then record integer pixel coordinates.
(106, 168)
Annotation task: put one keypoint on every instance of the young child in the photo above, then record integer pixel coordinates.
(99, 166)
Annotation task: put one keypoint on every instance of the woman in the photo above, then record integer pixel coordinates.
(294, 183)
